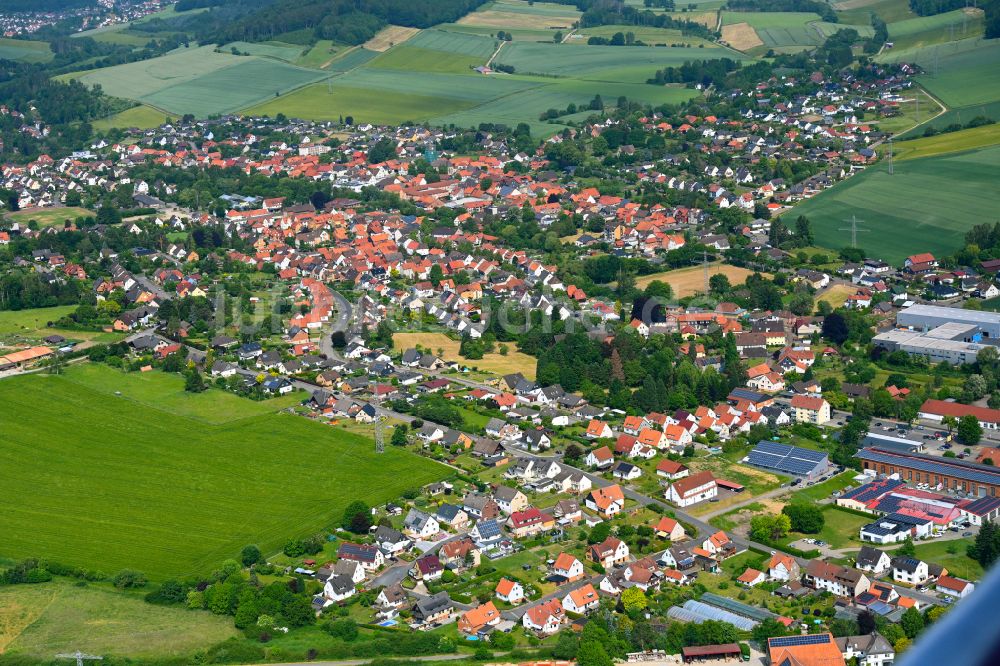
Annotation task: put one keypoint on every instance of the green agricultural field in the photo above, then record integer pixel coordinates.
(49, 217)
(277, 50)
(518, 34)
(624, 64)
(141, 117)
(351, 59)
(528, 105)
(453, 42)
(139, 79)
(319, 55)
(37, 621)
(323, 102)
(29, 323)
(962, 74)
(651, 36)
(249, 82)
(952, 142)
(926, 30)
(859, 11)
(131, 485)
(925, 207)
(408, 58)
(25, 50)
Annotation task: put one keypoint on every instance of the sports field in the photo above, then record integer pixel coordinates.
(926, 206)
(497, 363)
(48, 217)
(42, 620)
(691, 280)
(25, 50)
(141, 480)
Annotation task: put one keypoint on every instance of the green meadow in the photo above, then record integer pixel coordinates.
(168, 483)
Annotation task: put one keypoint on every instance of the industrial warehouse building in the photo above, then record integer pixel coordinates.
(794, 460)
(952, 335)
(926, 317)
(949, 474)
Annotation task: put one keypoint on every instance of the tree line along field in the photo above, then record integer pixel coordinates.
(172, 489)
(926, 206)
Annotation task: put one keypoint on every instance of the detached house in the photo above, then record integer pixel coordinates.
(841, 581)
(475, 621)
(783, 567)
(609, 552)
(544, 619)
(567, 569)
(668, 528)
(581, 600)
(608, 501)
(601, 458)
(693, 489)
(370, 557)
(510, 591)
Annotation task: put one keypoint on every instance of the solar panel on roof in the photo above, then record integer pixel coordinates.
(773, 447)
(790, 641)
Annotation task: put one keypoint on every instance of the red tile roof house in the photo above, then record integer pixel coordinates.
(609, 552)
(545, 618)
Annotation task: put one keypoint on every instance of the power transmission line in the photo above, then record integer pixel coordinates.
(80, 657)
(853, 229)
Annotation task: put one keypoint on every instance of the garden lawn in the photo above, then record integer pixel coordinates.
(840, 531)
(934, 199)
(128, 485)
(958, 563)
(40, 620)
(824, 490)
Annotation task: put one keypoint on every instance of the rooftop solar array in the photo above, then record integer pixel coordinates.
(965, 472)
(983, 505)
(792, 641)
(785, 458)
(873, 490)
(752, 612)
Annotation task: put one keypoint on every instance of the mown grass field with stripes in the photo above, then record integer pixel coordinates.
(171, 483)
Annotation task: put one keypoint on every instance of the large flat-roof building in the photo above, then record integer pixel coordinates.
(952, 335)
(922, 317)
(941, 473)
